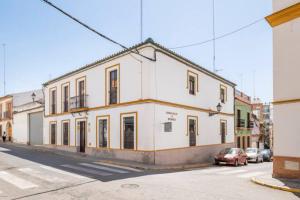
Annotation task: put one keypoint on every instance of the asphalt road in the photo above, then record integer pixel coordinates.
(31, 174)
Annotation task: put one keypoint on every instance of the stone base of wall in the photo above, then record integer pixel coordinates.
(177, 156)
(286, 167)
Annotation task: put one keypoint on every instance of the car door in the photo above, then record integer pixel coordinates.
(243, 156)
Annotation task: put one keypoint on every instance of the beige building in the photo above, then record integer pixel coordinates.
(286, 46)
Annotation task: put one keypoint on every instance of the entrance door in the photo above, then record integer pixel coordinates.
(192, 132)
(128, 128)
(36, 128)
(82, 136)
(9, 131)
(0, 131)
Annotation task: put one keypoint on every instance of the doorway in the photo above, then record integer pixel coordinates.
(82, 132)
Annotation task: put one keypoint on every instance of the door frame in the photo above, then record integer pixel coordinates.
(77, 130)
(135, 116)
(107, 117)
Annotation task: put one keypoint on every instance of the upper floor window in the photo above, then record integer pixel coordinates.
(65, 98)
(53, 101)
(223, 93)
(192, 83)
(113, 84)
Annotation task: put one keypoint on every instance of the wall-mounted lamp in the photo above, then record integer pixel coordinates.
(219, 108)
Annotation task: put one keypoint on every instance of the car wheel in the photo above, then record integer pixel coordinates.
(257, 160)
(217, 162)
(262, 160)
(246, 162)
(236, 163)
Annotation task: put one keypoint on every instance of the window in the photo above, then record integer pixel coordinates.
(168, 127)
(244, 142)
(53, 133)
(129, 130)
(248, 120)
(103, 132)
(53, 102)
(192, 129)
(223, 94)
(223, 130)
(248, 141)
(192, 82)
(112, 85)
(65, 132)
(65, 98)
(192, 85)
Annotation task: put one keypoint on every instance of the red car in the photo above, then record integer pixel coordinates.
(231, 156)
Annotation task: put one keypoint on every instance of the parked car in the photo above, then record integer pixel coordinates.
(254, 155)
(267, 155)
(231, 156)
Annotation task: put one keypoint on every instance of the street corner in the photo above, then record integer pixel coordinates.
(288, 185)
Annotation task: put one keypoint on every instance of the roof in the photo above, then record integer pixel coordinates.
(25, 97)
(135, 47)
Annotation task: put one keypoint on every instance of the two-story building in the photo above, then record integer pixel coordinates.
(286, 58)
(243, 116)
(6, 115)
(145, 103)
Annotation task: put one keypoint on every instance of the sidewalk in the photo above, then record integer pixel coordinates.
(116, 162)
(289, 185)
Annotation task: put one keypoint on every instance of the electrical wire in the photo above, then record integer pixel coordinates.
(219, 37)
(93, 30)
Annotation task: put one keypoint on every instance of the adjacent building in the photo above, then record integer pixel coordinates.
(257, 136)
(243, 120)
(18, 116)
(146, 104)
(286, 50)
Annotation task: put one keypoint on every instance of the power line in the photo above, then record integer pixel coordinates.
(91, 29)
(219, 37)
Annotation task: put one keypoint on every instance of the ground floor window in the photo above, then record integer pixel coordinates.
(192, 122)
(129, 130)
(65, 132)
(103, 131)
(223, 127)
(53, 133)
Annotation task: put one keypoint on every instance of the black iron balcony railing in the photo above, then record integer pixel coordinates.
(240, 123)
(250, 124)
(66, 106)
(53, 109)
(7, 115)
(78, 102)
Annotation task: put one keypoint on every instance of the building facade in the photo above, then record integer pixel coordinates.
(6, 114)
(243, 116)
(156, 107)
(257, 136)
(286, 53)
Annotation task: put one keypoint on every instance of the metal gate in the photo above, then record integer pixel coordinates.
(36, 128)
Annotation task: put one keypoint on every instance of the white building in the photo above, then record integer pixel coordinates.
(153, 108)
(286, 46)
(22, 117)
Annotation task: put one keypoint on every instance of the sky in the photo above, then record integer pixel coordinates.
(42, 44)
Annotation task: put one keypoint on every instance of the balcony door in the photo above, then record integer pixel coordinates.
(82, 133)
(113, 87)
(81, 92)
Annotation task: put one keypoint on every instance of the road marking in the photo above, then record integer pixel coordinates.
(251, 174)
(104, 168)
(4, 149)
(119, 166)
(232, 172)
(61, 171)
(18, 182)
(90, 171)
(213, 170)
(39, 175)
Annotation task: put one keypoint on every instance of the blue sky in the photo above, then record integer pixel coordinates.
(41, 43)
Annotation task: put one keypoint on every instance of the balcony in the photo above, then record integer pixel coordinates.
(78, 103)
(7, 115)
(240, 123)
(250, 124)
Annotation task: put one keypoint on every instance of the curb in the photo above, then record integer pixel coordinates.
(284, 188)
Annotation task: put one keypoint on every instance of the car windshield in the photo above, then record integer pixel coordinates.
(250, 150)
(229, 151)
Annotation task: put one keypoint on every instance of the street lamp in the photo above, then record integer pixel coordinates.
(33, 95)
(219, 108)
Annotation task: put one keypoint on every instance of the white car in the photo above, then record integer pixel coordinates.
(254, 155)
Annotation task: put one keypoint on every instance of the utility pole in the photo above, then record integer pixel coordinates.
(214, 39)
(141, 18)
(4, 63)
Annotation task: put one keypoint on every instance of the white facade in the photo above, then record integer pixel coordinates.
(286, 47)
(154, 92)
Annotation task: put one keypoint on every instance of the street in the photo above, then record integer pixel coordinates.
(32, 174)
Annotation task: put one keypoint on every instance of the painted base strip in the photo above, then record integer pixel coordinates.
(119, 166)
(18, 182)
(85, 170)
(104, 168)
